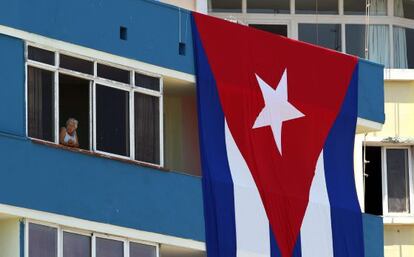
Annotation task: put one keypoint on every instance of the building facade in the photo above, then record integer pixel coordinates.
(125, 71)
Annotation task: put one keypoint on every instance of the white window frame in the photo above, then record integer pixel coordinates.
(94, 79)
(93, 235)
(385, 182)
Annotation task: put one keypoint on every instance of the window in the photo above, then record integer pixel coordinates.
(373, 180)
(398, 186)
(76, 245)
(378, 42)
(272, 28)
(358, 7)
(112, 120)
(118, 110)
(403, 47)
(41, 55)
(404, 8)
(42, 241)
(319, 7)
(225, 6)
(268, 6)
(40, 94)
(326, 35)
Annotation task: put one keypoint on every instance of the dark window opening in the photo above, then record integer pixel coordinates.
(147, 129)
(325, 35)
(225, 6)
(272, 28)
(148, 82)
(316, 6)
(76, 64)
(112, 73)
(109, 248)
(268, 6)
(373, 180)
(74, 103)
(141, 250)
(40, 87)
(181, 48)
(358, 7)
(41, 55)
(75, 245)
(404, 8)
(112, 120)
(42, 241)
(123, 33)
(398, 186)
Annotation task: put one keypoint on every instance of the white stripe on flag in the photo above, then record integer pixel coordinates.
(252, 224)
(316, 230)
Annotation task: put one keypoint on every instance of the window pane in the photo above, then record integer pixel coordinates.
(112, 120)
(109, 248)
(404, 8)
(275, 29)
(378, 42)
(316, 6)
(225, 6)
(42, 241)
(145, 81)
(40, 87)
(326, 35)
(141, 250)
(398, 180)
(147, 128)
(403, 48)
(357, 7)
(76, 64)
(41, 55)
(75, 245)
(112, 73)
(74, 103)
(268, 6)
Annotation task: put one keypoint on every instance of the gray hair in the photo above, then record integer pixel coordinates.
(72, 120)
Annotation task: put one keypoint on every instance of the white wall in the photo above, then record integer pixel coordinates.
(9, 237)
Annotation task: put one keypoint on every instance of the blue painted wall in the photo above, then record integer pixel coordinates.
(371, 91)
(153, 28)
(373, 235)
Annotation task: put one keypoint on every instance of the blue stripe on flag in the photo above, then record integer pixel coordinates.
(217, 181)
(274, 249)
(346, 214)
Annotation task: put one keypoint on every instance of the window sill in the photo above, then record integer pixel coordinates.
(399, 220)
(100, 155)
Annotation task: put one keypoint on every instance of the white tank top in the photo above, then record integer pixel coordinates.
(69, 137)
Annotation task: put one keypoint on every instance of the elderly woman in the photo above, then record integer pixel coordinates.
(68, 136)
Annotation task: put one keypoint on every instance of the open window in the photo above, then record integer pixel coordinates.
(373, 180)
(74, 102)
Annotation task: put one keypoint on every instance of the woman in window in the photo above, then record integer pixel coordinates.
(68, 136)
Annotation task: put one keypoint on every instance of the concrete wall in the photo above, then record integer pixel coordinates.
(9, 237)
(187, 4)
(399, 240)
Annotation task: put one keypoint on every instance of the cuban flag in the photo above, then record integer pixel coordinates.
(277, 123)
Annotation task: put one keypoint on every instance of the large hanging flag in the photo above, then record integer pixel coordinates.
(277, 123)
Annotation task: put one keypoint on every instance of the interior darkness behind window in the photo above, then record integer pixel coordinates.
(109, 248)
(40, 94)
(325, 35)
(76, 64)
(141, 250)
(278, 29)
(112, 120)
(112, 73)
(75, 245)
(41, 55)
(225, 6)
(268, 6)
(148, 82)
(316, 7)
(42, 241)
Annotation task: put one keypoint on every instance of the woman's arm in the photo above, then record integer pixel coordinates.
(62, 135)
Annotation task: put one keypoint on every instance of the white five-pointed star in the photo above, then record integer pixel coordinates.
(277, 108)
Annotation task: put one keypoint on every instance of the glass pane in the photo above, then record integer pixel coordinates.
(112, 120)
(403, 48)
(41, 55)
(42, 241)
(40, 93)
(109, 248)
(145, 81)
(76, 64)
(74, 103)
(141, 250)
(225, 6)
(147, 128)
(268, 6)
(325, 35)
(316, 6)
(398, 180)
(357, 7)
(404, 8)
(378, 42)
(112, 73)
(272, 28)
(75, 245)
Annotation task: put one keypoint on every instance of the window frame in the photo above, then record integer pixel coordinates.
(131, 88)
(385, 182)
(92, 234)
